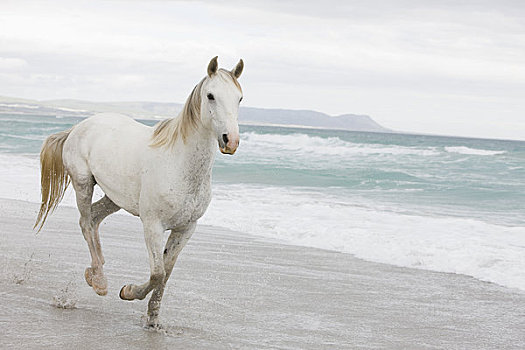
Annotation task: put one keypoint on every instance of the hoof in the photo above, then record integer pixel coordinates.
(88, 275)
(101, 291)
(154, 326)
(99, 283)
(153, 323)
(122, 293)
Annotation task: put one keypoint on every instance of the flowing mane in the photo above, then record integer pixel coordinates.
(167, 131)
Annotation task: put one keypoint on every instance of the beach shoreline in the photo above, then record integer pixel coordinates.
(232, 290)
(401, 200)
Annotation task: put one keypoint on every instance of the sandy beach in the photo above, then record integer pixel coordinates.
(232, 290)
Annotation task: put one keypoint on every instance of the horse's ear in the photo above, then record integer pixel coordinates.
(238, 69)
(212, 67)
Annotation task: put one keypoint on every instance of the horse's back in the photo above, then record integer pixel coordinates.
(111, 148)
(106, 132)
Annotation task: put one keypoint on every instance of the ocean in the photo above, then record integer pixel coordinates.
(438, 203)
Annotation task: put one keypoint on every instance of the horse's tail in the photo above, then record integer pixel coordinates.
(53, 175)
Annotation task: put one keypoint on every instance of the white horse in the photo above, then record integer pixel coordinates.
(161, 174)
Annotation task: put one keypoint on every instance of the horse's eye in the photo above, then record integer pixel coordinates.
(240, 100)
(210, 97)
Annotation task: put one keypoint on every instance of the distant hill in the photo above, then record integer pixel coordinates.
(156, 110)
(306, 118)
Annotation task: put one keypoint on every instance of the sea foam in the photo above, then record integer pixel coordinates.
(302, 144)
(308, 217)
(472, 151)
(449, 244)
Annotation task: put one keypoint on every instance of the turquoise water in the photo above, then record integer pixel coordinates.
(439, 203)
(456, 176)
(441, 175)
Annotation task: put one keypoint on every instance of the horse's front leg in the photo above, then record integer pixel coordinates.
(153, 234)
(176, 241)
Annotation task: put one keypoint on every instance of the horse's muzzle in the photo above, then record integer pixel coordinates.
(228, 151)
(228, 143)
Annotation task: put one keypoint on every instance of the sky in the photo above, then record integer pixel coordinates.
(440, 67)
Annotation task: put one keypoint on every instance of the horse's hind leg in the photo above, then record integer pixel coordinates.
(84, 194)
(99, 211)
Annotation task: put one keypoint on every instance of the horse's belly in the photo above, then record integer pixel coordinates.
(126, 197)
(120, 180)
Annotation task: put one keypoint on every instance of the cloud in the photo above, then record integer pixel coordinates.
(397, 60)
(7, 63)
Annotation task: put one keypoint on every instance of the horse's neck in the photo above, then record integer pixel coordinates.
(199, 153)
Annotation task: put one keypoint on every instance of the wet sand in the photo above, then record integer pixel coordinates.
(231, 290)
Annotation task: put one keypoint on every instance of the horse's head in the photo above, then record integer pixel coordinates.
(221, 96)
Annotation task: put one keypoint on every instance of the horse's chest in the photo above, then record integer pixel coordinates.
(187, 207)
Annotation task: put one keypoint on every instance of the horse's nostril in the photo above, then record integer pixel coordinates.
(225, 138)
